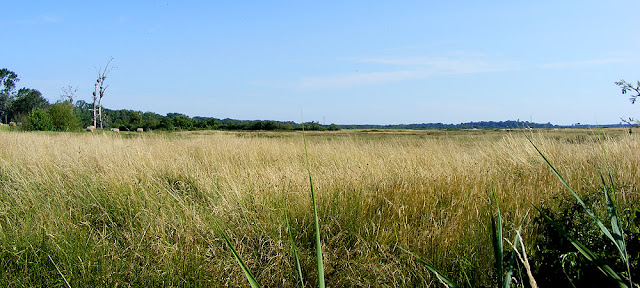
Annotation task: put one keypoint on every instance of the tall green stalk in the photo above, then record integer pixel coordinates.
(315, 216)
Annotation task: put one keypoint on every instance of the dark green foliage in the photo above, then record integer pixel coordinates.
(125, 120)
(166, 124)
(313, 126)
(182, 122)
(82, 111)
(150, 120)
(27, 100)
(8, 80)
(38, 120)
(333, 127)
(556, 261)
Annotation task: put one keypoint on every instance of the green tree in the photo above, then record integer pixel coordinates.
(62, 117)
(135, 119)
(150, 120)
(8, 80)
(182, 122)
(26, 100)
(333, 127)
(38, 120)
(313, 126)
(166, 123)
(213, 123)
(82, 111)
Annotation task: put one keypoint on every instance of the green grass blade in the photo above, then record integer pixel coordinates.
(604, 268)
(245, 269)
(315, 216)
(496, 237)
(293, 248)
(441, 277)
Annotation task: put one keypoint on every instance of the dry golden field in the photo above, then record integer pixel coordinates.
(145, 209)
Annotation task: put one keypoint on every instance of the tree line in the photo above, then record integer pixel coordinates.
(27, 108)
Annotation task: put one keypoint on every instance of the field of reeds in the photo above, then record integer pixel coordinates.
(132, 210)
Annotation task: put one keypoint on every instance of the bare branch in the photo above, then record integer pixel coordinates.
(98, 93)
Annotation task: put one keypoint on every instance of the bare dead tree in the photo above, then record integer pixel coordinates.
(68, 93)
(98, 93)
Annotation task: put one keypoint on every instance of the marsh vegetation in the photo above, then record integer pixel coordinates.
(146, 209)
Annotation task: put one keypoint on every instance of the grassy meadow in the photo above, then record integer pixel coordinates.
(132, 210)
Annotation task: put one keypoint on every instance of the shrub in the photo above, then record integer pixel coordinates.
(62, 117)
(333, 127)
(38, 120)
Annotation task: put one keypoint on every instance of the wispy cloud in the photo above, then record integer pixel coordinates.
(460, 64)
(50, 18)
(390, 69)
(357, 79)
(591, 62)
(408, 68)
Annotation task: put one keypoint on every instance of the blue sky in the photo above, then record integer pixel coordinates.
(347, 62)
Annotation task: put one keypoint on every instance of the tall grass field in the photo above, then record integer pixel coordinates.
(148, 210)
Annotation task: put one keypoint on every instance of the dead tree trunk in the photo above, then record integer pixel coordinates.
(98, 93)
(95, 99)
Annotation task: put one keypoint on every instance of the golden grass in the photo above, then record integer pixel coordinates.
(142, 209)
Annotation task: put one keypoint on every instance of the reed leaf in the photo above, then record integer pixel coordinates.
(320, 264)
(496, 237)
(293, 248)
(245, 269)
(446, 281)
(618, 233)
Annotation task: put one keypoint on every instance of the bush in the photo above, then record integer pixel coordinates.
(38, 120)
(63, 118)
(333, 127)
